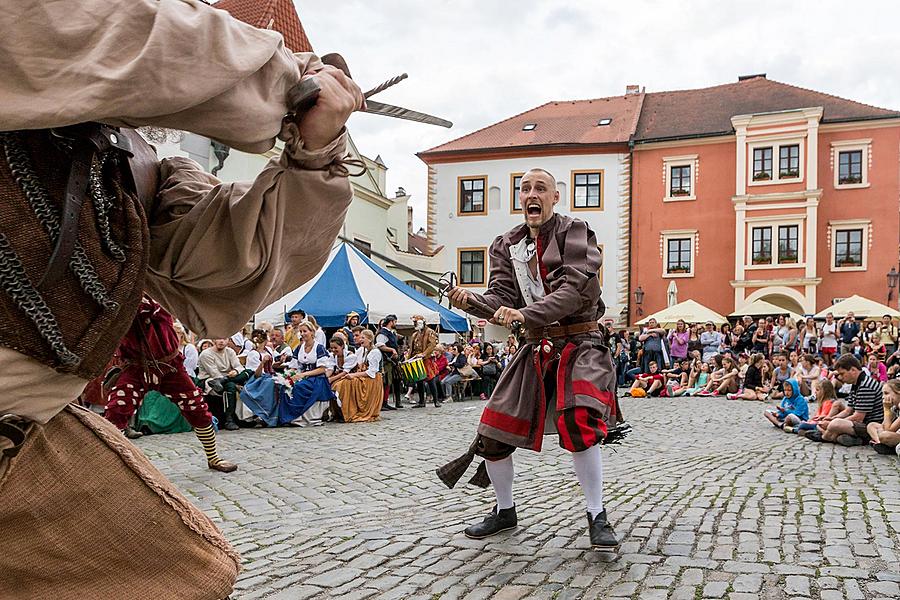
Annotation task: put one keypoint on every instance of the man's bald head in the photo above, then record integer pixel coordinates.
(547, 176)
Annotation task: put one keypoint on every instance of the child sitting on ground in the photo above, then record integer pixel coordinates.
(698, 379)
(677, 378)
(754, 388)
(885, 436)
(793, 409)
(829, 406)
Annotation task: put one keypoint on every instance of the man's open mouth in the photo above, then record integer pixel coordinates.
(533, 210)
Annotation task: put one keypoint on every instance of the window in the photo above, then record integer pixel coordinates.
(850, 168)
(587, 190)
(680, 181)
(515, 184)
(788, 244)
(850, 163)
(761, 252)
(762, 164)
(471, 266)
(471, 195)
(678, 256)
(789, 161)
(364, 247)
(848, 248)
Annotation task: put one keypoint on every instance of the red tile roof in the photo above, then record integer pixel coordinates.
(277, 15)
(708, 111)
(563, 123)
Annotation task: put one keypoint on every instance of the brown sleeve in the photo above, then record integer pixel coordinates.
(432, 343)
(502, 287)
(570, 282)
(177, 64)
(220, 251)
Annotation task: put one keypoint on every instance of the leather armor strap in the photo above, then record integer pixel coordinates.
(15, 430)
(561, 331)
(87, 140)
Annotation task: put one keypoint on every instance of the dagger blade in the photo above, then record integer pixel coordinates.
(398, 112)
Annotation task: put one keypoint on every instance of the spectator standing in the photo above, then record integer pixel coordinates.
(694, 344)
(652, 339)
(711, 340)
(829, 345)
(490, 370)
(761, 338)
(889, 334)
(727, 338)
(808, 336)
(849, 330)
(291, 332)
(679, 338)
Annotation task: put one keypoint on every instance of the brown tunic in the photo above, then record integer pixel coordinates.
(569, 261)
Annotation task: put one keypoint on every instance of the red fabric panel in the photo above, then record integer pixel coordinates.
(506, 423)
(586, 388)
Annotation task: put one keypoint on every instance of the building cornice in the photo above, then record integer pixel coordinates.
(801, 196)
(796, 281)
(719, 138)
(365, 194)
(479, 154)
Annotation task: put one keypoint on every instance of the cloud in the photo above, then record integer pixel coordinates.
(479, 62)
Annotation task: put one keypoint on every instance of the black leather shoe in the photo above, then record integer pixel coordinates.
(497, 521)
(419, 405)
(230, 425)
(131, 434)
(386, 406)
(602, 535)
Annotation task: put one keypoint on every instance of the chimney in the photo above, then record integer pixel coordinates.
(409, 219)
(631, 90)
(399, 193)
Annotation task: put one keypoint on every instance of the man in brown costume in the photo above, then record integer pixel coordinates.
(544, 277)
(421, 345)
(91, 219)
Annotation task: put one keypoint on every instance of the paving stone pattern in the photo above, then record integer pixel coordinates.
(708, 499)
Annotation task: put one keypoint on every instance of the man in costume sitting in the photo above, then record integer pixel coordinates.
(91, 219)
(544, 277)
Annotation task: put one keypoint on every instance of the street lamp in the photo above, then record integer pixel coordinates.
(639, 299)
(892, 278)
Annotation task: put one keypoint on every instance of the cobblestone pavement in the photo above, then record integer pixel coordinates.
(708, 499)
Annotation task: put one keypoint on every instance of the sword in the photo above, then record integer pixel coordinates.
(443, 285)
(303, 96)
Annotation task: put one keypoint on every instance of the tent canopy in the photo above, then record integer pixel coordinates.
(860, 307)
(350, 281)
(761, 308)
(688, 311)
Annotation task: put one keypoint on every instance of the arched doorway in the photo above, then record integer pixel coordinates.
(783, 297)
(785, 302)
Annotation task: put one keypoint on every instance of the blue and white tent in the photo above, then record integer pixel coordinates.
(350, 281)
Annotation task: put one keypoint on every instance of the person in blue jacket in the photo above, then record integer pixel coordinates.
(793, 409)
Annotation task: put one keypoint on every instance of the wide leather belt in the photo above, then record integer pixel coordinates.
(560, 331)
(87, 140)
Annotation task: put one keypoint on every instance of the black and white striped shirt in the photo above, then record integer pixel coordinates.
(866, 396)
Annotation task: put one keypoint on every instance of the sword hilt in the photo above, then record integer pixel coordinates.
(304, 95)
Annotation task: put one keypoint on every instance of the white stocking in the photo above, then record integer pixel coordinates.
(589, 470)
(501, 473)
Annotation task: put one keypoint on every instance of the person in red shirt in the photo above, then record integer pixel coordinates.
(653, 381)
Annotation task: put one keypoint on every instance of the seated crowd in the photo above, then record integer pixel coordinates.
(848, 368)
(297, 375)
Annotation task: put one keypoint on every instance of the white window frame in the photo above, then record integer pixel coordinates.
(680, 161)
(849, 146)
(755, 222)
(776, 160)
(834, 227)
(678, 234)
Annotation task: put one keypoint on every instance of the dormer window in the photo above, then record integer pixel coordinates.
(604, 122)
(529, 126)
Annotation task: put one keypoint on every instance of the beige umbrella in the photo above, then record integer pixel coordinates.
(862, 308)
(687, 311)
(761, 308)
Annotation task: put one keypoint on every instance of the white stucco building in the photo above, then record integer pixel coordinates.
(473, 186)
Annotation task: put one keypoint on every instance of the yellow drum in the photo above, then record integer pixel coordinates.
(413, 370)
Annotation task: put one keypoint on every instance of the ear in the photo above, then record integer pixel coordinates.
(556, 197)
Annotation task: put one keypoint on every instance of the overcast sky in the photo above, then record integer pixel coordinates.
(476, 62)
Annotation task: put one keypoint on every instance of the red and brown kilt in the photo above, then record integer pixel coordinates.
(570, 391)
